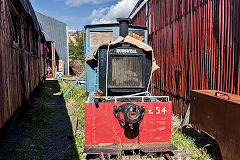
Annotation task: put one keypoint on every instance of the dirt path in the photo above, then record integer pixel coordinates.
(44, 131)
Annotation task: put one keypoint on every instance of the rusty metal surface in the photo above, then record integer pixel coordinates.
(196, 44)
(217, 113)
(167, 156)
(104, 149)
(156, 147)
(118, 148)
(17, 81)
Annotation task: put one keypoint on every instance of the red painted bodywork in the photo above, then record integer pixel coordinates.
(101, 126)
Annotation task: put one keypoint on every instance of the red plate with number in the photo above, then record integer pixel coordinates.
(101, 126)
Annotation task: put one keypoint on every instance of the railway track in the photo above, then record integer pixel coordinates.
(166, 156)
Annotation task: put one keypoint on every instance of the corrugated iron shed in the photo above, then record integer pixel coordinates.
(56, 31)
(196, 44)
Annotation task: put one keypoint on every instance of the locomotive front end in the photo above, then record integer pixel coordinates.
(122, 114)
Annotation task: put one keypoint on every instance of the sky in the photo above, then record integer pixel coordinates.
(78, 13)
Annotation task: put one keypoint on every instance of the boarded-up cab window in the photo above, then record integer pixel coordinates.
(140, 35)
(15, 33)
(97, 38)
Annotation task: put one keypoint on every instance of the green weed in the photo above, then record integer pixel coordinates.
(47, 93)
(41, 114)
(187, 144)
(77, 98)
(27, 150)
(79, 142)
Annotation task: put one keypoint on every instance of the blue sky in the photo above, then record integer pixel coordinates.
(77, 13)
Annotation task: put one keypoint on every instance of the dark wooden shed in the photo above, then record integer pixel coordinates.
(22, 51)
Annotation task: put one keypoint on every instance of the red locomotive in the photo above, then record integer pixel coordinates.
(122, 115)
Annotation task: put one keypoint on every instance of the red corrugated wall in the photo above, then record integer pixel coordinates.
(196, 45)
(140, 18)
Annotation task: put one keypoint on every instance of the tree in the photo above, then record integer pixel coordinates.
(76, 50)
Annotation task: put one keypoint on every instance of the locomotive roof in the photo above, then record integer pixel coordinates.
(113, 24)
(130, 40)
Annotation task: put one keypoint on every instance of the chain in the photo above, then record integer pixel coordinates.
(117, 115)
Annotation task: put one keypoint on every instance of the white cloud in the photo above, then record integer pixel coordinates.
(72, 18)
(75, 3)
(109, 14)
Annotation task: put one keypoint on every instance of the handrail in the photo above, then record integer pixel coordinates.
(115, 98)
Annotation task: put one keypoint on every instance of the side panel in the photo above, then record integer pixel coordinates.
(19, 67)
(101, 126)
(217, 113)
(156, 124)
(91, 68)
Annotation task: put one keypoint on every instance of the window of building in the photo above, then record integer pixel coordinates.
(31, 42)
(15, 28)
(26, 38)
(36, 47)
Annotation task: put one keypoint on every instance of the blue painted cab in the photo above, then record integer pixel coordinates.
(95, 35)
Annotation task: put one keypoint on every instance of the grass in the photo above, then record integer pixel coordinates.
(44, 110)
(41, 114)
(27, 150)
(46, 93)
(31, 148)
(187, 144)
(76, 97)
(33, 145)
(79, 142)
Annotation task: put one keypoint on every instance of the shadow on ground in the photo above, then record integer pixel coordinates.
(42, 130)
(202, 140)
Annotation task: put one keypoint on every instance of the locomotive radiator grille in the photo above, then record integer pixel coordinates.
(126, 71)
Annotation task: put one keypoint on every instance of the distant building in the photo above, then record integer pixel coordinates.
(71, 35)
(56, 31)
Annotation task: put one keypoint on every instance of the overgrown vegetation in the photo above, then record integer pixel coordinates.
(46, 93)
(76, 98)
(27, 150)
(41, 114)
(76, 49)
(33, 145)
(187, 144)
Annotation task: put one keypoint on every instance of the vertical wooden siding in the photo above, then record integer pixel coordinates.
(140, 18)
(11, 71)
(196, 45)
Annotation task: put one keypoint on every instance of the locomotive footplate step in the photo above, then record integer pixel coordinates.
(157, 147)
(115, 149)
